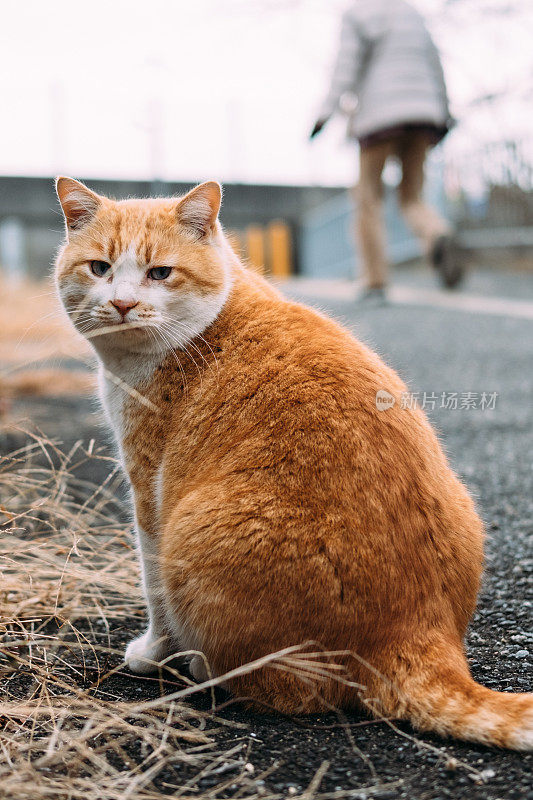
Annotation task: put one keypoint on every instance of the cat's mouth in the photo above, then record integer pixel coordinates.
(124, 327)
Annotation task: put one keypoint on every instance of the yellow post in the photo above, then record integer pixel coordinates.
(279, 240)
(255, 247)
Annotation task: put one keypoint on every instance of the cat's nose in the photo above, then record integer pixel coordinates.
(123, 306)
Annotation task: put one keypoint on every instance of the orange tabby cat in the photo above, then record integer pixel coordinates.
(274, 505)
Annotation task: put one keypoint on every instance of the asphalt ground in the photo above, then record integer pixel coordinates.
(439, 351)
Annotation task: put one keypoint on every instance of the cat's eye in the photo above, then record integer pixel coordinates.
(159, 273)
(99, 268)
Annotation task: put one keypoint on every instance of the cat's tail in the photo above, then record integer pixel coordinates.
(436, 692)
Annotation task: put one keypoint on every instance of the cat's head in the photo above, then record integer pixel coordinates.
(142, 274)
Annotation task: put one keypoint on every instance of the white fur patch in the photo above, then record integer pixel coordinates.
(144, 652)
(522, 738)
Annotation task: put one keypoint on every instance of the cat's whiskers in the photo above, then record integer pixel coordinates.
(85, 327)
(170, 334)
(169, 322)
(57, 313)
(183, 349)
(88, 320)
(49, 293)
(199, 336)
(172, 346)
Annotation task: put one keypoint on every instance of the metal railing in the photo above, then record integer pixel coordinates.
(491, 199)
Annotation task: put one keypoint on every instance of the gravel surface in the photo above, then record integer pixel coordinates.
(435, 351)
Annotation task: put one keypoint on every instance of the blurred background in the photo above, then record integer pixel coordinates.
(149, 98)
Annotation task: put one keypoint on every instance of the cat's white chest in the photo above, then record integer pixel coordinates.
(121, 382)
(112, 399)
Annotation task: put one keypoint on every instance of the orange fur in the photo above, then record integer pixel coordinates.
(279, 506)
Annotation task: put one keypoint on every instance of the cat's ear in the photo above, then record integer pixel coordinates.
(198, 210)
(79, 203)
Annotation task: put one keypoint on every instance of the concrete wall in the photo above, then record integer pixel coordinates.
(31, 204)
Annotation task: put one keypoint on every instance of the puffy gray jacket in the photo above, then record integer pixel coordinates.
(388, 60)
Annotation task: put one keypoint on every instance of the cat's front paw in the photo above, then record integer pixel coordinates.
(144, 653)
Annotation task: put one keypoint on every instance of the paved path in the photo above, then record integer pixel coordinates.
(400, 295)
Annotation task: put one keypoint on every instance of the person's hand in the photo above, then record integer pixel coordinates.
(319, 124)
(451, 122)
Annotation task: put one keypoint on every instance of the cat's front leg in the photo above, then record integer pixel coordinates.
(145, 652)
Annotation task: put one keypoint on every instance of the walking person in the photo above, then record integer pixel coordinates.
(388, 60)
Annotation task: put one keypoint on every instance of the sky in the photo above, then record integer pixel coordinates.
(226, 89)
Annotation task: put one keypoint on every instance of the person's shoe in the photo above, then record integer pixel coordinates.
(446, 258)
(372, 297)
